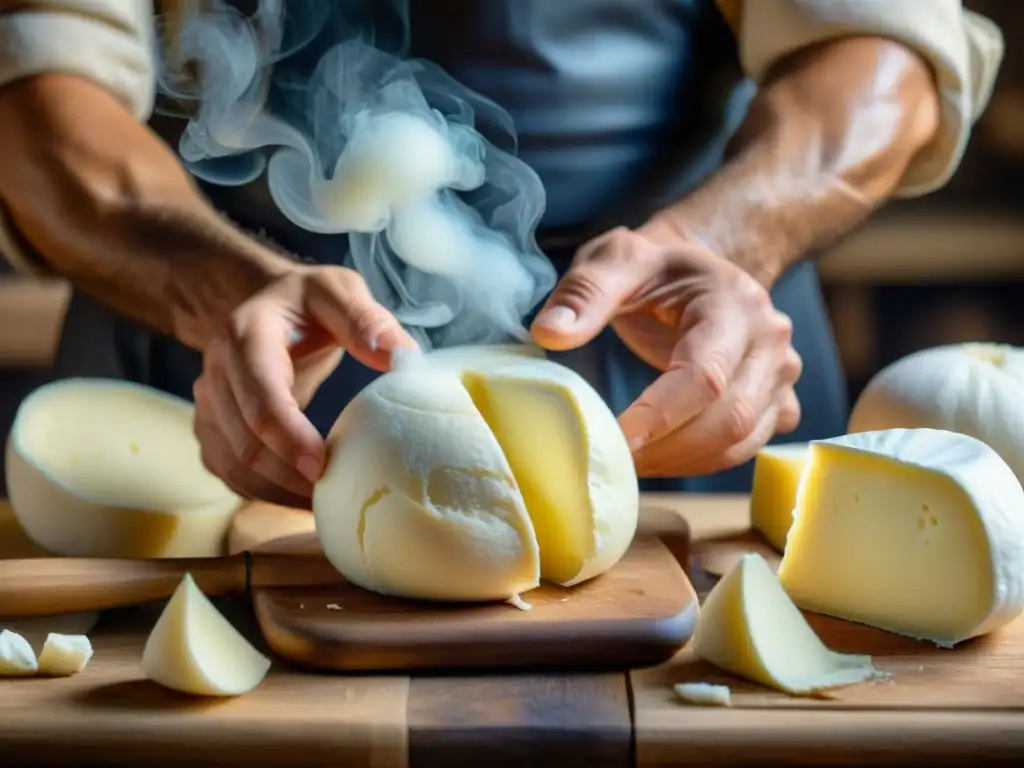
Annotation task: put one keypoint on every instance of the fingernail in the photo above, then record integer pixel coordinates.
(637, 442)
(558, 318)
(309, 468)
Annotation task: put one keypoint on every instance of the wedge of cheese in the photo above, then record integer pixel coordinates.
(918, 532)
(100, 468)
(17, 659)
(976, 389)
(194, 649)
(470, 475)
(750, 627)
(64, 655)
(777, 471)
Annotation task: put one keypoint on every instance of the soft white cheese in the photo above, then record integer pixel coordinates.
(976, 389)
(100, 468)
(471, 474)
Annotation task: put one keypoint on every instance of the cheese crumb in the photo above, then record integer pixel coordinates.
(704, 694)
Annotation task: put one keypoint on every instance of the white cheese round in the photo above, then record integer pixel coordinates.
(102, 468)
(473, 474)
(973, 389)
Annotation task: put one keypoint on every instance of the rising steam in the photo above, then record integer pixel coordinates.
(356, 138)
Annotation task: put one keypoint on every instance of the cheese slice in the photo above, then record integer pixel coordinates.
(100, 468)
(750, 627)
(918, 532)
(704, 694)
(64, 655)
(471, 474)
(777, 471)
(194, 649)
(17, 659)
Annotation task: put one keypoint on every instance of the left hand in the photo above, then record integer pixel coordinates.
(729, 365)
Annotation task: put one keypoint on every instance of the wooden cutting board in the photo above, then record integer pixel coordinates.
(16, 545)
(638, 614)
(940, 703)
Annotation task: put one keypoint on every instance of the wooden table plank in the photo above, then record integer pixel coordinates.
(535, 721)
(670, 733)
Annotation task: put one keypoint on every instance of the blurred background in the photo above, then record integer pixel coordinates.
(942, 269)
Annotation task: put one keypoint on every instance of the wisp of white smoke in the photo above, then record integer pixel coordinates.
(356, 138)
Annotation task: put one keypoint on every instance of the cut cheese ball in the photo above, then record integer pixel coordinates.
(918, 532)
(100, 468)
(750, 627)
(976, 389)
(704, 694)
(471, 474)
(777, 471)
(17, 659)
(64, 655)
(194, 649)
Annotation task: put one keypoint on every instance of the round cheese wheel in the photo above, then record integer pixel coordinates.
(102, 468)
(471, 474)
(974, 389)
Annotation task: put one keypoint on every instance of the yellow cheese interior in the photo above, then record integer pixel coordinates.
(124, 445)
(882, 543)
(773, 494)
(194, 649)
(750, 627)
(542, 432)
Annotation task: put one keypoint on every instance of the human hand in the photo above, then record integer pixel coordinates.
(264, 366)
(729, 366)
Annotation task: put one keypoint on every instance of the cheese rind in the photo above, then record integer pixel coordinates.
(194, 649)
(17, 659)
(975, 389)
(64, 655)
(750, 627)
(100, 468)
(777, 471)
(917, 532)
(469, 474)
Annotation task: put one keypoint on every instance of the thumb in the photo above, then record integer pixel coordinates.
(602, 278)
(342, 304)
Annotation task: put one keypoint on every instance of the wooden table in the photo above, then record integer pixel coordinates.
(111, 715)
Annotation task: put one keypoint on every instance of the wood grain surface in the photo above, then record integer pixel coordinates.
(110, 715)
(940, 706)
(638, 614)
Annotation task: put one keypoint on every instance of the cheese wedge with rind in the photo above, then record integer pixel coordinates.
(64, 655)
(102, 468)
(750, 627)
(194, 649)
(777, 470)
(17, 659)
(918, 532)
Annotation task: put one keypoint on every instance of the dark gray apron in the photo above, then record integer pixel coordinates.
(620, 107)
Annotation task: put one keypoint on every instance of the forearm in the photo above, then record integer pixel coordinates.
(105, 204)
(826, 141)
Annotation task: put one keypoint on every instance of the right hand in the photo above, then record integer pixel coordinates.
(263, 367)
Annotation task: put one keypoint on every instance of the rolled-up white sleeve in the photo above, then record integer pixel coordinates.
(107, 41)
(964, 48)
